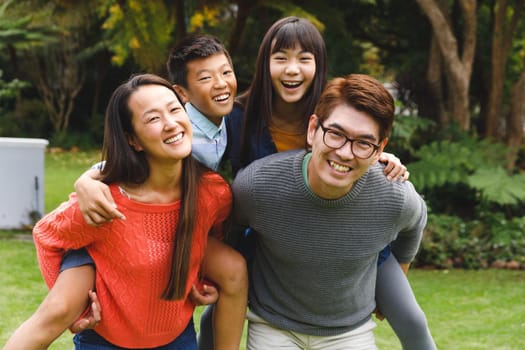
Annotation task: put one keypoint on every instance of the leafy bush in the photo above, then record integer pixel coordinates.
(28, 119)
(450, 241)
(476, 212)
(70, 140)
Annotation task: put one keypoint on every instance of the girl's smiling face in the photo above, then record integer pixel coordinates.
(292, 73)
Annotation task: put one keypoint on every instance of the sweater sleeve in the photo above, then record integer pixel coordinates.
(62, 229)
(243, 203)
(413, 220)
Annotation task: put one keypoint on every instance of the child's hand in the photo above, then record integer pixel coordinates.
(92, 318)
(95, 200)
(394, 169)
(204, 295)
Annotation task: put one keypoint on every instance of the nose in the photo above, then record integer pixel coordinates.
(292, 67)
(220, 83)
(345, 152)
(170, 122)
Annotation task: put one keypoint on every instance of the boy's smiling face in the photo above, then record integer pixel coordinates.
(212, 86)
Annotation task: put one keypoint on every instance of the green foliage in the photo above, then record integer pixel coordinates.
(20, 30)
(407, 130)
(29, 119)
(478, 164)
(450, 241)
(130, 31)
(10, 89)
(290, 9)
(495, 185)
(71, 140)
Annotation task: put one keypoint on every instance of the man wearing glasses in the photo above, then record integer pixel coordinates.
(322, 217)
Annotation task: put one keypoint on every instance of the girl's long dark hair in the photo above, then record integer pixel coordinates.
(258, 99)
(124, 164)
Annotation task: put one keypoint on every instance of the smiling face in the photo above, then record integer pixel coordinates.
(161, 126)
(333, 172)
(212, 86)
(292, 72)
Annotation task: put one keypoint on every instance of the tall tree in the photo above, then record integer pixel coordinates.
(58, 69)
(457, 56)
(506, 20)
(516, 119)
(58, 77)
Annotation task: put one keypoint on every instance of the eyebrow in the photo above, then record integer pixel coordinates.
(156, 110)
(284, 50)
(208, 70)
(338, 127)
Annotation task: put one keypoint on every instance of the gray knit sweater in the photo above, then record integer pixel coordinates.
(315, 263)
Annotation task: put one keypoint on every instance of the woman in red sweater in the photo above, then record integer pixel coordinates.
(146, 265)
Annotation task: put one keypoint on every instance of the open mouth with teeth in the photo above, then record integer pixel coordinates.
(291, 84)
(339, 167)
(222, 97)
(174, 138)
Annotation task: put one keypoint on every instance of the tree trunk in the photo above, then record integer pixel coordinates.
(243, 12)
(457, 68)
(515, 120)
(502, 36)
(180, 22)
(435, 81)
(58, 77)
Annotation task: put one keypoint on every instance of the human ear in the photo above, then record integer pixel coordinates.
(381, 148)
(312, 127)
(134, 143)
(182, 92)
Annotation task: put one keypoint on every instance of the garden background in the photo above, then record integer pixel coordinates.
(456, 68)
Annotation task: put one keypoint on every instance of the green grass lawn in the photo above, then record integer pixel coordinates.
(466, 310)
(61, 171)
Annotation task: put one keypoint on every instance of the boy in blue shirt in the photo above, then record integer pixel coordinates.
(202, 73)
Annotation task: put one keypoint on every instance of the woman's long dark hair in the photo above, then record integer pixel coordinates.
(124, 164)
(258, 99)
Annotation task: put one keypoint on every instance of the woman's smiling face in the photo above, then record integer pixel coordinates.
(161, 126)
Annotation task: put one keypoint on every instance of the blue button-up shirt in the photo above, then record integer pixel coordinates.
(209, 141)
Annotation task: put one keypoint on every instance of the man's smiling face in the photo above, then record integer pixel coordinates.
(332, 172)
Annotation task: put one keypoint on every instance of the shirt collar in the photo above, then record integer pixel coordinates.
(200, 121)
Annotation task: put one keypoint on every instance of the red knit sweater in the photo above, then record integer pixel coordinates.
(133, 259)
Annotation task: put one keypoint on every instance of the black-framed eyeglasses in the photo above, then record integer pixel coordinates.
(360, 148)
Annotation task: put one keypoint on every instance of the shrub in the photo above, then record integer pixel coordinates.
(450, 241)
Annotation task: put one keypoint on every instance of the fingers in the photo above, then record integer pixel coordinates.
(95, 201)
(92, 319)
(394, 169)
(80, 325)
(208, 295)
(95, 306)
(101, 212)
(110, 207)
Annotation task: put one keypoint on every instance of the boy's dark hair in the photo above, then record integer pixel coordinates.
(192, 47)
